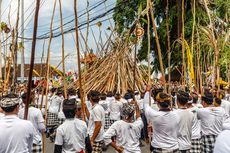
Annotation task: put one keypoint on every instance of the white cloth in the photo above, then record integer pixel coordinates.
(165, 127)
(226, 105)
(227, 97)
(222, 144)
(212, 119)
(185, 121)
(55, 104)
(196, 127)
(1, 115)
(97, 114)
(71, 135)
(141, 104)
(127, 135)
(115, 110)
(16, 135)
(36, 118)
(105, 104)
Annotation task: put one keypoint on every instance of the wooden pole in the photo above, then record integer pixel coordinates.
(48, 67)
(169, 47)
(78, 60)
(183, 48)
(32, 59)
(158, 46)
(63, 50)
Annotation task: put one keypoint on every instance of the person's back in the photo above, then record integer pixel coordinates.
(16, 135)
(73, 131)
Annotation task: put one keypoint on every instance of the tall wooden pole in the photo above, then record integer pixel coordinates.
(169, 46)
(183, 48)
(1, 43)
(63, 50)
(78, 60)
(22, 41)
(158, 46)
(32, 59)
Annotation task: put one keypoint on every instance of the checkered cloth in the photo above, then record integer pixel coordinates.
(52, 119)
(207, 143)
(37, 148)
(196, 146)
(159, 150)
(60, 121)
(107, 122)
(97, 147)
(112, 121)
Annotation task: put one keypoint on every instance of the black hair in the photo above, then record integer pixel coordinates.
(208, 98)
(24, 95)
(103, 96)
(156, 91)
(69, 108)
(71, 92)
(53, 90)
(165, 104)
(194, 98)
(218, 101)
(182, 97)
(95, 96)
(109, 94)
(9, 109)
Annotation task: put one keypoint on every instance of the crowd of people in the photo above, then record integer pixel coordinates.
(181, 122)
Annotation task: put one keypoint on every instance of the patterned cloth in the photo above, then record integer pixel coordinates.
(159, 150)
(60, 121)
(207, 143)
(196, 146)
(97, 147)
(184, 151)
(107, 122)
(112, 121)
(37, 148)
(52, 119)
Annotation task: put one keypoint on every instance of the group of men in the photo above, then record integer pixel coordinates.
(192, 124)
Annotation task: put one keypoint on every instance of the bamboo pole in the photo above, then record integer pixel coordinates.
(148, 33)
(158, 46)
(183, 48)
(193, 30)
(78, 60)
(169, 46)
(48, 68)
(87, 28)
(32, 59)
(63, 50)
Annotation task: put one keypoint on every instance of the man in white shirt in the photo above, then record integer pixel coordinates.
(164, 124)
(16, 135)
(115, 109)
(196, 128)
(96, 122)
(72, 134)
(185, 121)
(222, 144)
(212, 119)
(127, 133)
(36, 118)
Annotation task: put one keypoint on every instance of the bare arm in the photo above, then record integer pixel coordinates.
(96, 130)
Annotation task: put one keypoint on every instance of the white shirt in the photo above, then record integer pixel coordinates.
(55, 104)
(115, 110)
(212, 119)
(165, 127)
(1, 115)
(16, 135)
(226, 105)
(105, 104)
(141, 104)
(127, 135)
(185, 121)
(97, 114)
(71, 135)
(222, 144)
(36, 118)
(196, 127)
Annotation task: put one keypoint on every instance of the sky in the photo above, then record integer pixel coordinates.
(9, 8)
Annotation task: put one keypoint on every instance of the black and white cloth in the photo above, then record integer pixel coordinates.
(97, 147)
(52, 119)
(37, 148)
(107, 122)
(196, 146)
(207, 143)
(159, 150)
